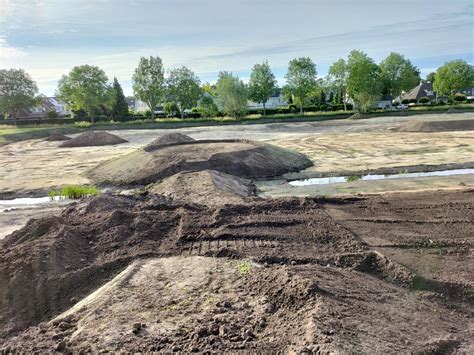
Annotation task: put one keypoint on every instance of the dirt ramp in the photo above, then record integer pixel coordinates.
(56, 137)
(170, 138)
(437, 126)
(208, 187)
(242, 159)
(93, 138)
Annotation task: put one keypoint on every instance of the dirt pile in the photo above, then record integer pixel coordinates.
(437, 126)
(207, 187)
(56, 136)
(357, 116)
(93, 138)
(170, 138)
(244, 159)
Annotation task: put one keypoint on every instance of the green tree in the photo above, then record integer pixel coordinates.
(184, 88)
(431, 77)
(207, 106)
(17, 91)
(120, 106)
(209, 88)
(452, 77)
(301, 78)
(338, 74)
(363, 81)
(262, 84)
(231, 94)
(398, 74)
(170, 108)
(149, 83)
(85, 88)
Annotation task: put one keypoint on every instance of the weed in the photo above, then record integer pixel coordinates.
(83, 124)
(74, 192)
(244, 268)
(353, 178)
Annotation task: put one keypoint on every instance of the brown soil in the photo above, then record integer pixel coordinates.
(170, 138)
(437, 126)
(321, 282)
(93, 138)
(207, 187)
(56, 136)
(240, 158)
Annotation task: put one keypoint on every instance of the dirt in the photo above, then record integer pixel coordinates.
(284, 275)
(207, 187)
(170, 138)
(244, 159)
(93, 138)
(437, 126)
(56, 136)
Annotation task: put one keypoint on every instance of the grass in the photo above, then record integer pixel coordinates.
(74, 192)
(244, 268)
(353, 178)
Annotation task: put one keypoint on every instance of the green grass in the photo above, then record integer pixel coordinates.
(353, 178)
(74, 192)
(244, 268)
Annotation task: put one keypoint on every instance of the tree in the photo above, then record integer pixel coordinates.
(453, 76)
(231, 94)
(262, 84)
(17, 91)
(170, 108)
(338, 78)
(207, 107)
(301, 78)
(431, 77)
(363, 81)
(398, 74)
(85, 88)
(184, 88)
(149, 82)
(120, 106)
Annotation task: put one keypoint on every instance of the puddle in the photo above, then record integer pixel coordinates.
(31, 202)
(339, 179)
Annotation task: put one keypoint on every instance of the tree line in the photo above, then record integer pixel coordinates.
(87, 89)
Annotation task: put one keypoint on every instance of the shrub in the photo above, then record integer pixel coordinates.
(424, 100)
(83, 124)
(170, 108)
(52, 114)
(395, 103)
(460, 97)
(412, 101)
(405, 101)
(74, 192)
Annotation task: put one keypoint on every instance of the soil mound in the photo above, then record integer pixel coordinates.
(170, 138)
(56, 136)
(93, 138)
(356, 116)
(240, 158)
(207, 187)
(437, 126)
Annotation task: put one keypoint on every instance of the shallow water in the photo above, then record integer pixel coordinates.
(339, 179)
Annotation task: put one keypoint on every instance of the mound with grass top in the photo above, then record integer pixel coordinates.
(93, 138)
(56, 137)
(245, 159)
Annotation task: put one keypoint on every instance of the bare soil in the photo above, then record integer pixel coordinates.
(57, 137)
(437, 126)
(93, 138)
(370, 274)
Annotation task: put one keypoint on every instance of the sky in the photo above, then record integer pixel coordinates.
(49, 37)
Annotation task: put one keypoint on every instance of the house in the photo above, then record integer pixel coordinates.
(275, 101)
(41, 111)
(424, 89)
(385, 102)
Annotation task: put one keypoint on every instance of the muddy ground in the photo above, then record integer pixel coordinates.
(381, 274)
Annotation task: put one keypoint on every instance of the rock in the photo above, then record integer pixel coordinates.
(202, 332)
(73, 300)
(249, 334)
(137, 327)
(224, 330)
(213, 329)
(60, 346)
(65, 325)
(263, 300)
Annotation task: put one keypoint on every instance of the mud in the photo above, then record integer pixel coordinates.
(93, 138)
(303, 275)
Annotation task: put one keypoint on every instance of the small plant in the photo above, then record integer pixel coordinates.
(353, 178)
(83, 124)
(244, 268)
(74, 192)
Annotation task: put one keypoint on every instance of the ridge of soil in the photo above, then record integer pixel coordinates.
(241, 158)
(437, 126)
(297, 275)
(93, 138)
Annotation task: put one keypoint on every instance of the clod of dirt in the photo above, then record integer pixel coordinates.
(245, 159)
(437, 126)
(170, 138)
(206, 187)
(56, 136)
(93, 138)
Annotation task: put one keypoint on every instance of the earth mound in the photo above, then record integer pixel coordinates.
(244, 159)
(93, 138)
(437, 126)
(170, 138)
(206, 187)
(56, 136)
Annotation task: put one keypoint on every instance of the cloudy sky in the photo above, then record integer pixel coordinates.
(48, 37)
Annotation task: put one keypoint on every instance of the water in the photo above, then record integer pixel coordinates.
(339, 179)
(29, 202)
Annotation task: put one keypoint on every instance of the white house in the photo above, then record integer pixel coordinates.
(274, 101)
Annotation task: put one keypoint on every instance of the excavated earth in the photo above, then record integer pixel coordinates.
(374, 274)
(437, 126)
(93, 138)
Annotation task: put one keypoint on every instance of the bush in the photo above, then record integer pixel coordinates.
(424, 100)
(405, 101)
(412, 101)
(395, 103)
(52, 114)
(170, 108)
(83, 124)
(460, 97)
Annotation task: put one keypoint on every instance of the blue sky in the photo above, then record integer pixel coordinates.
(48, 37)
